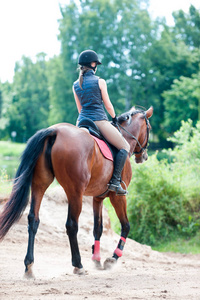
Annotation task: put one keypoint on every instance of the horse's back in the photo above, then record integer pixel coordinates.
(77, 161)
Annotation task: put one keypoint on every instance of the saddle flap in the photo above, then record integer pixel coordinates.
(105, 150)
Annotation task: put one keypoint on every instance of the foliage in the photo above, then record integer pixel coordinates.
(138, 61)
(187, 143)
(186, 157)
(171, 58)
(182, 102)
(29, 109)
(188, 26)
(120, 32)
(152, 213)
(164, 199)
(62, 108)
(144, 62)
(6, 100)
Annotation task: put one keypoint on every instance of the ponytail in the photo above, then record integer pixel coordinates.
(83, 70)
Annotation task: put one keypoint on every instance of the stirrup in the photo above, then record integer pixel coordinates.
(117, 188)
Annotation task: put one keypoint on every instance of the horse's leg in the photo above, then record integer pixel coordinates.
(41, 180)
(120, 206)
(97, 232)
(74, 210)
(33, 223)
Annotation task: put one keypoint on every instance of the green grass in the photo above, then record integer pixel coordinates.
(181, 245)
(9, 165)
(5, 183)
(5, 188)
(11, 149)
(9, 158)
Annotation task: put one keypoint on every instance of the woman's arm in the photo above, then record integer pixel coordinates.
(106, 100)
(78, 104)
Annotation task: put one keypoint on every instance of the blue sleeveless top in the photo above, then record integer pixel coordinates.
(90, 98)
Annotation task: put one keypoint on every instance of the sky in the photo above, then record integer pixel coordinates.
(28, 27)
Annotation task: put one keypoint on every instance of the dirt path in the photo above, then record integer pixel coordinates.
(140, 274)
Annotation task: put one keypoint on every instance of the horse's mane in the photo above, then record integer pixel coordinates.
(127, 115)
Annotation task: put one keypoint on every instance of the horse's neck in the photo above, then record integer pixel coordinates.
(131, 136)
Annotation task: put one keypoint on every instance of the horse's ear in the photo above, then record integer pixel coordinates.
(132, 109)
(149, 112)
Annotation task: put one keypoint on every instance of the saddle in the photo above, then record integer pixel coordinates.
(101, 141)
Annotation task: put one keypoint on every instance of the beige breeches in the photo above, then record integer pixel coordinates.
(112, 135)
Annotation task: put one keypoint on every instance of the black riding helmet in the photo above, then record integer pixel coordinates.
(87, 57)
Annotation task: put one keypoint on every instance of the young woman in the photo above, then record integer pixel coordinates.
(90, 93)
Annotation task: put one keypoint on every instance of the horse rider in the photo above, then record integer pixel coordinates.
(91, 95)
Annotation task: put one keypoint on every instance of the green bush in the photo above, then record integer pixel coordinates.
(154, 199)
(164, 199)
(186, 159)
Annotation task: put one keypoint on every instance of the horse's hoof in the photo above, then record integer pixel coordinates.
(79, 271)
(29, 272)
(109, 263)
(98, 265)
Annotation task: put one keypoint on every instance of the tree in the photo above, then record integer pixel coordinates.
(187, 26)
(182, 102)
(120, 32)
(140, 61)
(171, 58)
(62, 106)
(30, 102)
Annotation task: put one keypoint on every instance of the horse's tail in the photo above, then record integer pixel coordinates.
(19, 197)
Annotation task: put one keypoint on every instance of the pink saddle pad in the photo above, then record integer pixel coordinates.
(104, 148)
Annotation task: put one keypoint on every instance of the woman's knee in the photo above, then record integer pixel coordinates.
(126, 146)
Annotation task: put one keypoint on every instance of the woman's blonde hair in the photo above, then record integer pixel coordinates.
(83, 70)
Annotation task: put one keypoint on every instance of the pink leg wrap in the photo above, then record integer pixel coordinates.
(96, 254)
(119, 250)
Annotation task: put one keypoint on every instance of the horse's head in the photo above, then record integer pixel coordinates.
(135, 127)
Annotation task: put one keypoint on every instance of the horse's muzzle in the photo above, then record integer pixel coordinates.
(142, 158)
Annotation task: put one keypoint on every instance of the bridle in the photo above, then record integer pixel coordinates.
(142, 149)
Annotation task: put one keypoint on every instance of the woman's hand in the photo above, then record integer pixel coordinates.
(114, 120)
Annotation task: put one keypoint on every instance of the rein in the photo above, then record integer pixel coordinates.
(133, 137)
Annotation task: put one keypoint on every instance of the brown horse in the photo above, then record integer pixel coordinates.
(71, 155)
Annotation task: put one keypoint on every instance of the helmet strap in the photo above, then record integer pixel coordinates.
(89, 65)
(93, 68)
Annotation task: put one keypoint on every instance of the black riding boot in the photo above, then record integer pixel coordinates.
(114, 184)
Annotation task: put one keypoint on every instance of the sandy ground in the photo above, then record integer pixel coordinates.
(140, 274)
